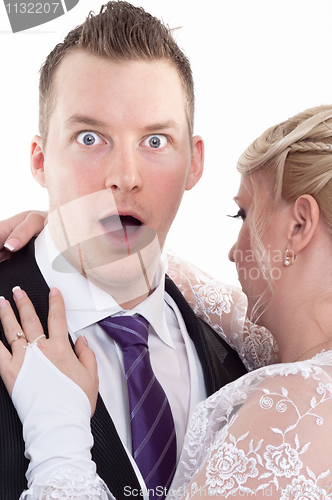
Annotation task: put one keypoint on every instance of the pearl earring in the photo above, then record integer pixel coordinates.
(288, 261)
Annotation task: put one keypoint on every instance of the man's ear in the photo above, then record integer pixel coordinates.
(37, 160)
(305, 218)
(197, 162)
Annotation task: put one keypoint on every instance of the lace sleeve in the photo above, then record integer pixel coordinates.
(70, 484)
(55, 413)
(265, 435)
(224, 308)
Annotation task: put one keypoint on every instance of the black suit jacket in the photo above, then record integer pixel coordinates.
(220, 364)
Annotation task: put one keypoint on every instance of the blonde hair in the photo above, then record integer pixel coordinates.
(296, 158)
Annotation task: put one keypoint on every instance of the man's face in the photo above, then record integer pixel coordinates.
(117, 161)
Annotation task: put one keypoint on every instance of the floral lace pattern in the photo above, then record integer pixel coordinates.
(266, 434)
(70, 484)
(223, 307)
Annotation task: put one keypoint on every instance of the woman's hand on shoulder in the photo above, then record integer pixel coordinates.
(80, 366)
(18, 230)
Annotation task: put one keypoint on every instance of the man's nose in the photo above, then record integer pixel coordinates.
(124, 172)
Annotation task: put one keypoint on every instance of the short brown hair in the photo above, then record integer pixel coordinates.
(120, 32)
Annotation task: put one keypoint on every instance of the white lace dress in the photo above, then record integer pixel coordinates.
(224, 308)
(268, 434)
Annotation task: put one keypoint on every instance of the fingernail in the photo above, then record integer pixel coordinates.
(53, 291)
(17, 292)
(3, 302)
(11, 244)
(85, 340)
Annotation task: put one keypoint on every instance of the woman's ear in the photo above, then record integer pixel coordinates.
(305, 217)
(37, 160)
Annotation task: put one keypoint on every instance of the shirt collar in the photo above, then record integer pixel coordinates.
(86, 303)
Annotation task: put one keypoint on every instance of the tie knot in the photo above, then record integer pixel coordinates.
(126, 330)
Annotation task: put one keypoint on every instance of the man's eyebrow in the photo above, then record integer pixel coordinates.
(161, 126)
(86, 120)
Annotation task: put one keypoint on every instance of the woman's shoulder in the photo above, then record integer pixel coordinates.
(271, 428)
(302, 381)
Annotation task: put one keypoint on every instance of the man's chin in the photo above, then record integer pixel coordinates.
(106, 248)
(128, 280)
(121, 262)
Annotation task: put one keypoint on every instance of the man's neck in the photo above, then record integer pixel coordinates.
(131, 304)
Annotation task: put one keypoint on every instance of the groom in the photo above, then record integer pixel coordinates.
(116, 153)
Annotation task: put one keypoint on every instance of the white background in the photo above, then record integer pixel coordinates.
(255, 63)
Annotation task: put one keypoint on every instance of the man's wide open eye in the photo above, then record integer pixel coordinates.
(89, 138)
(156, 141)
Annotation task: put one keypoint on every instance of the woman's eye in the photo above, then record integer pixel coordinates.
(240, 214)
(89, 138)
(155, 141)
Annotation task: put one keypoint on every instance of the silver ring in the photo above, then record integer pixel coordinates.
(20, 335)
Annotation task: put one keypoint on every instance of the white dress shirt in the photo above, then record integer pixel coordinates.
(173, 355)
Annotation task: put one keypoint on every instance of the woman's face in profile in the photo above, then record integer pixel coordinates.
(253, 274)
(249, 274)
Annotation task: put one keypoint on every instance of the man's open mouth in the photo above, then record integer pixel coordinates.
(124, 234)
(121, 225)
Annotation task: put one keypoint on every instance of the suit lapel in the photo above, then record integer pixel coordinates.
(22, 270)
(113, 463)
(220, 363)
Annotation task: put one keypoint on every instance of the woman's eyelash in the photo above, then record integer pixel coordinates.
(240, 214)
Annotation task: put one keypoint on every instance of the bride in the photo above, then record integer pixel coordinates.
(266, 434)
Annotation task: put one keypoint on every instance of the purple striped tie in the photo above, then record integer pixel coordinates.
(152, 424)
